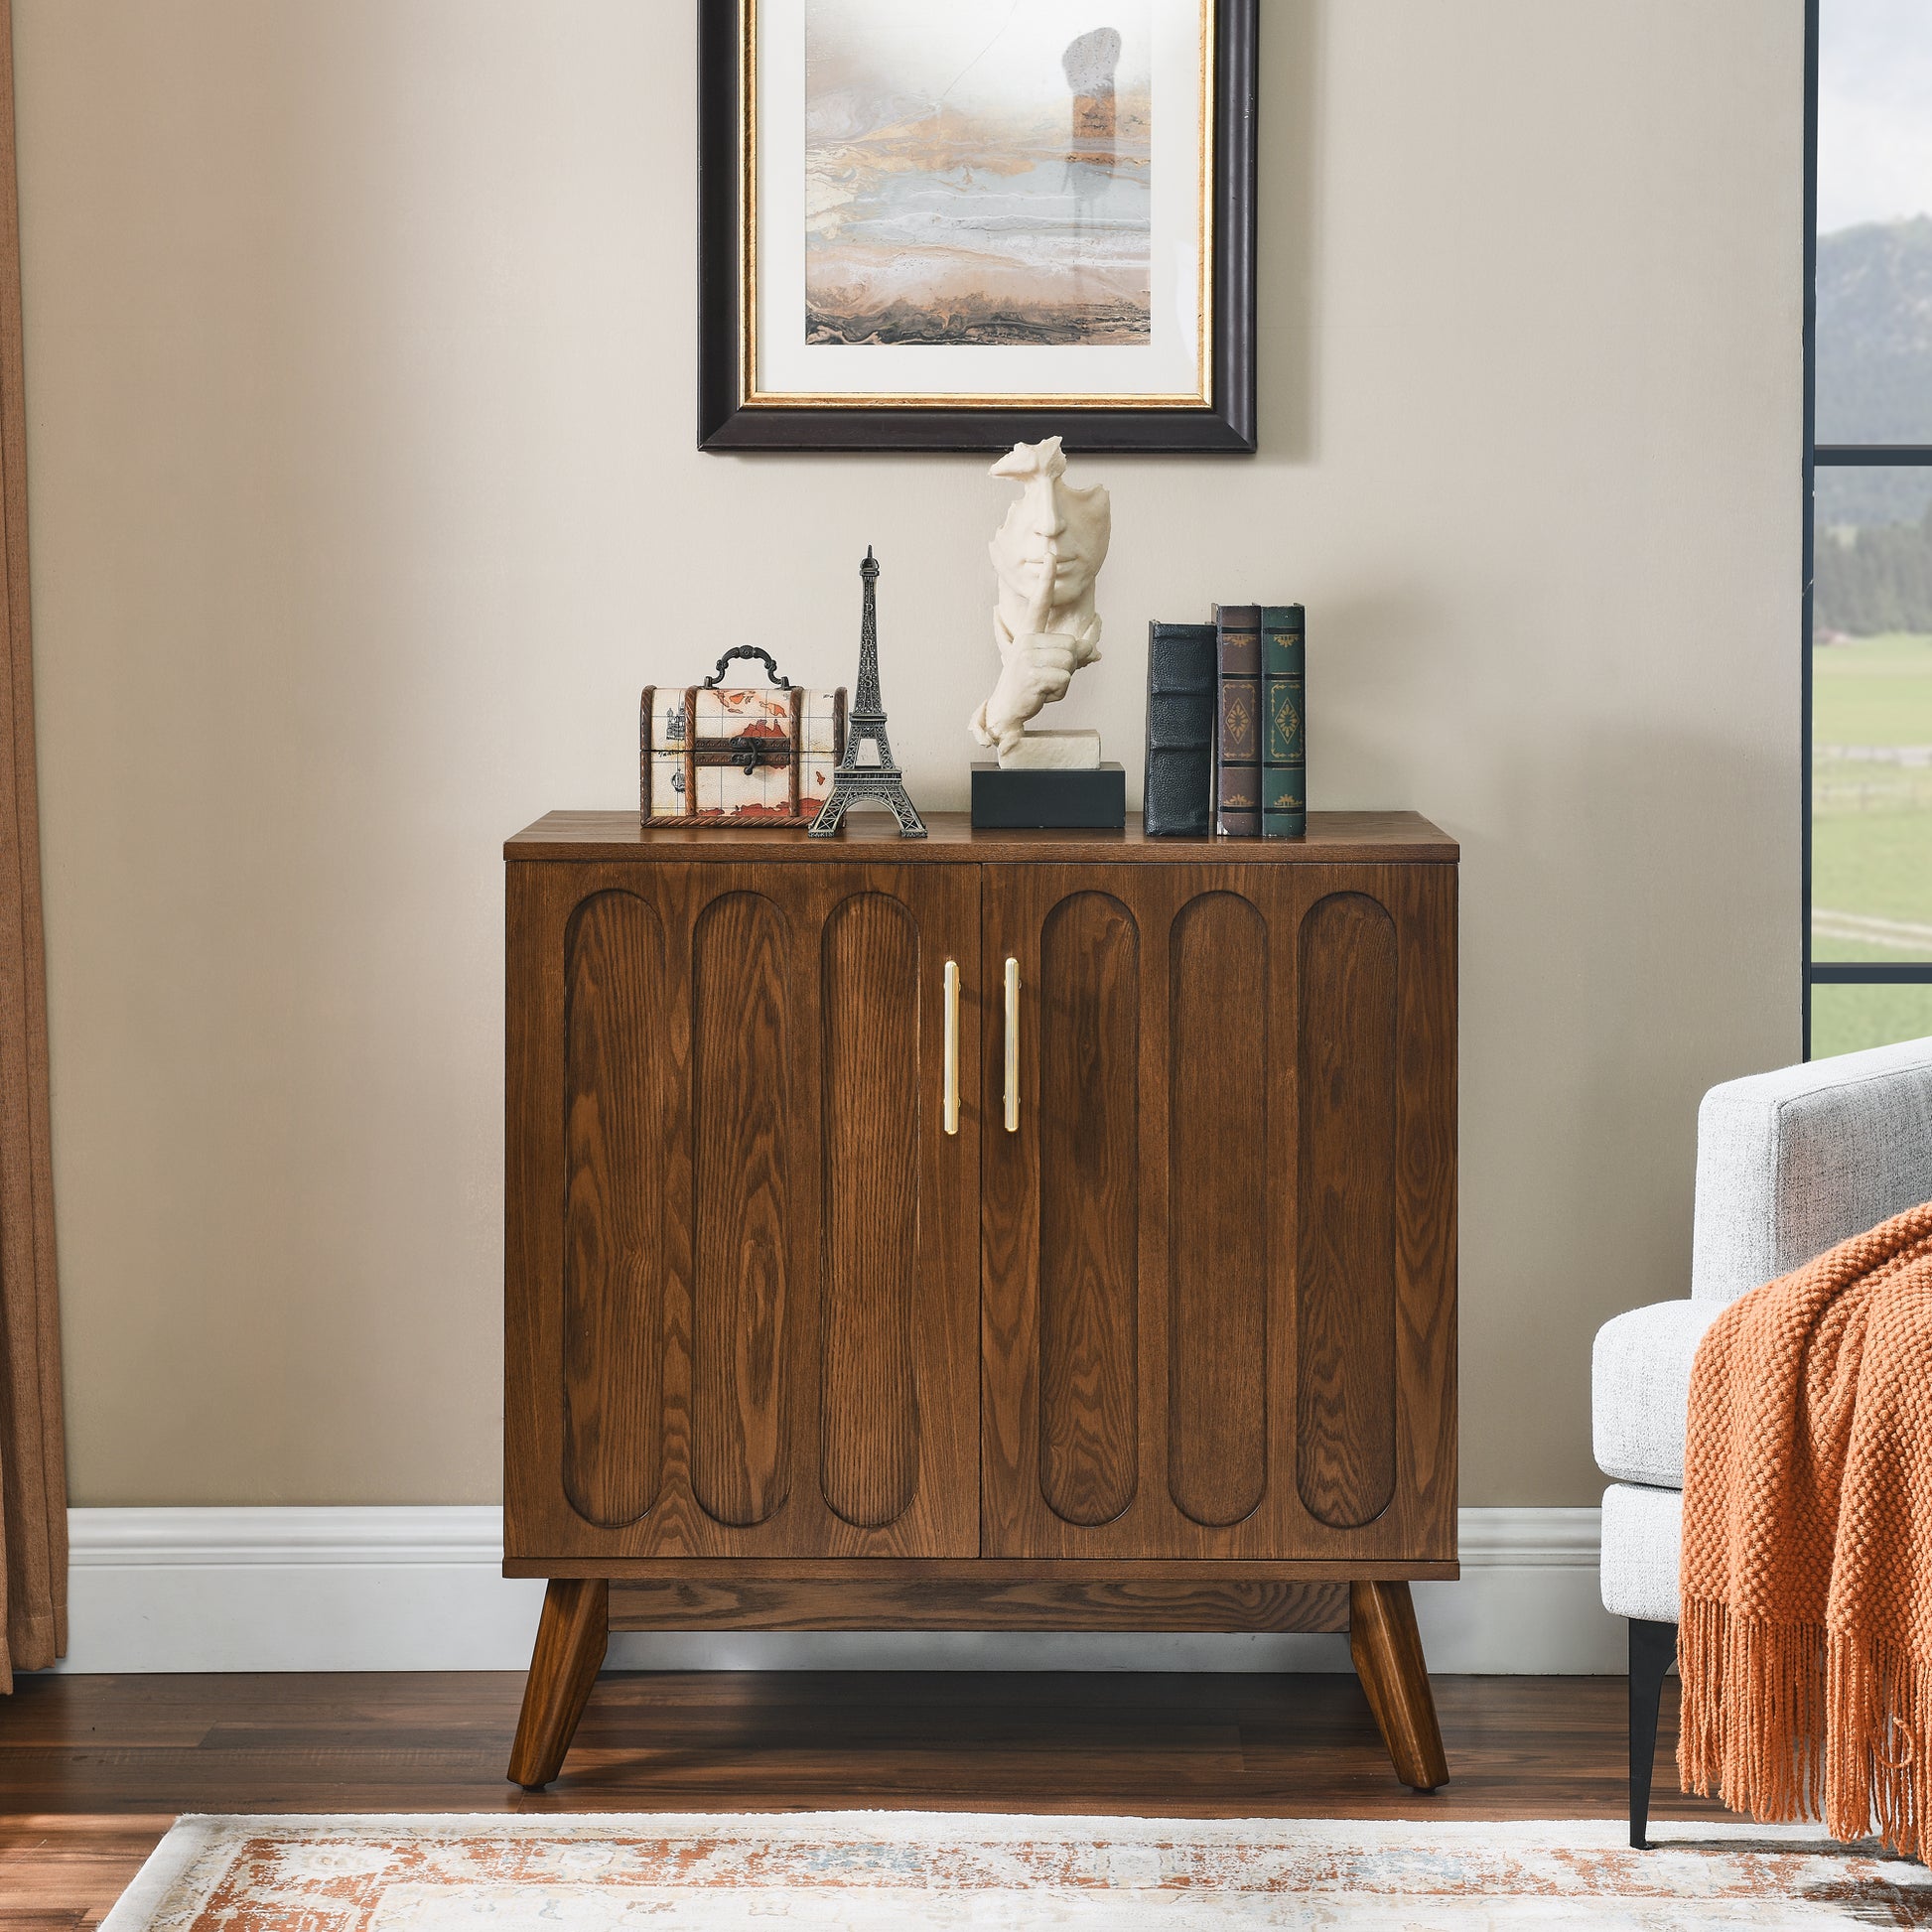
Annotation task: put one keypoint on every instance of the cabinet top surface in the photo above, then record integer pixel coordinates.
(1332, 838)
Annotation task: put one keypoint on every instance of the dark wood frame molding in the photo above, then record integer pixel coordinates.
(727, 423)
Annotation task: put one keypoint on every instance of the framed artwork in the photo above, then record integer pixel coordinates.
(959, 224)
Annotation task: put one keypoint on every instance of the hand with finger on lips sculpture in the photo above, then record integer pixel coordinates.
(1047, 556)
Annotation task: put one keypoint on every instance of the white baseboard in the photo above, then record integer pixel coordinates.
(419, 1589)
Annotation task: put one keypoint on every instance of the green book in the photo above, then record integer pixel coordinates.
(1284, 738)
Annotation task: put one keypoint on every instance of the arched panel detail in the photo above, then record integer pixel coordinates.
(740, 1027)
(1346, 1065)
(1090, 1025)
(616, 1122)
(870, 1417)
(1217, 1208)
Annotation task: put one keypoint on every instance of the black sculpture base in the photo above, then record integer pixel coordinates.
(1011, 800)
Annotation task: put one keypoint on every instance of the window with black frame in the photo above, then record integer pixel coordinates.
(1868, 633)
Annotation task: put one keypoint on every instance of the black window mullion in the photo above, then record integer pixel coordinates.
(1810, 353)
(1873, 455)
(1869, 972)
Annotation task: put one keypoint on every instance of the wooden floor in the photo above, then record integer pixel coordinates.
(94, 1769)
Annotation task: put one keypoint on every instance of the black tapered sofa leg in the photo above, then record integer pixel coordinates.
(1653, 1649)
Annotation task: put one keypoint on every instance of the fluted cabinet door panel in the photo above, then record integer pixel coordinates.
(741, 1264)
(1089, 1207)
(1217, 1208)
(740, 1282)
(617, 1116)
(1134, 1286)
(1346, 1062)
(870, 987)
(1426, 1200)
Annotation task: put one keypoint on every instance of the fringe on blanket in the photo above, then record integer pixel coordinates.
(1785, 1721)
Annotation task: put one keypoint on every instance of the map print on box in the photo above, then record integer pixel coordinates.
(730, 753)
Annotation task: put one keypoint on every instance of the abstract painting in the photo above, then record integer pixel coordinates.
(1003, 198)
(961, 225)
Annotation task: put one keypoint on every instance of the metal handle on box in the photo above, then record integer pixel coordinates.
(950, 1102)
(764, 657)
(1013, 1045)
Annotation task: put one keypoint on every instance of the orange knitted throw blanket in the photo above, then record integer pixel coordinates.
(1805, 1642)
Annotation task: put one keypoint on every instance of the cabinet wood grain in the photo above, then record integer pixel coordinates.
(1294, 1135)
(1333, 838)
(718, 1600)
(740, 1282)
(616, 1117)
(750, 1330)
(1084, 1096)
(1218, 1159)
(1345, 1386)
(1177, 1350)
(867, 1394)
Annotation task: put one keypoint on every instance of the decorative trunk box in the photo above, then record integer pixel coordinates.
(726, 755)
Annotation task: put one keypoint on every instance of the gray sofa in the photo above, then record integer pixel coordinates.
(1788, 1165)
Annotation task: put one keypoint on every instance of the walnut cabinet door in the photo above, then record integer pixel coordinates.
(1217, 1236)
(742, 1244)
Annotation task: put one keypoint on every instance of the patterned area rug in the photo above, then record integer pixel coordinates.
(897, 1871)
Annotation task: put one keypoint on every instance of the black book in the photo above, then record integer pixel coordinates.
(1180, 729)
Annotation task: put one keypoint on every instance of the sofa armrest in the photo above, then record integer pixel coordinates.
(1640, 1390)
(1789, 1163)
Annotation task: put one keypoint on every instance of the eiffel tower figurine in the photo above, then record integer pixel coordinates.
(878, 784)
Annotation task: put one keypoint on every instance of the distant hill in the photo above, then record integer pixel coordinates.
(1875, 333)
(1874, 556)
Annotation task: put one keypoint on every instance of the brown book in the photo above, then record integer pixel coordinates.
(1237, 721)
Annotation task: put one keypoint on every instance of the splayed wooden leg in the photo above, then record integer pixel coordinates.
(571, 1640)
(1387, 1649)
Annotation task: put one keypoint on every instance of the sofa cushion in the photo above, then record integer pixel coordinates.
(1792, 1162)
(1640, 1390)
(1643, 1531)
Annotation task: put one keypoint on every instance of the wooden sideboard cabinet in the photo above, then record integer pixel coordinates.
(1018, 1230)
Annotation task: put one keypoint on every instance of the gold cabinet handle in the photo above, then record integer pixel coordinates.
(950, 1103)
(1013, 1045)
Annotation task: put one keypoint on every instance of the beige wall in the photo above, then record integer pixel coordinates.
(359, 347)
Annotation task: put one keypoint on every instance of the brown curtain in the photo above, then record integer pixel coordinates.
(33, 1474)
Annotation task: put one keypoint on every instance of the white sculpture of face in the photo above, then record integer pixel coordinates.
(1049, 552)
(1047, 556)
